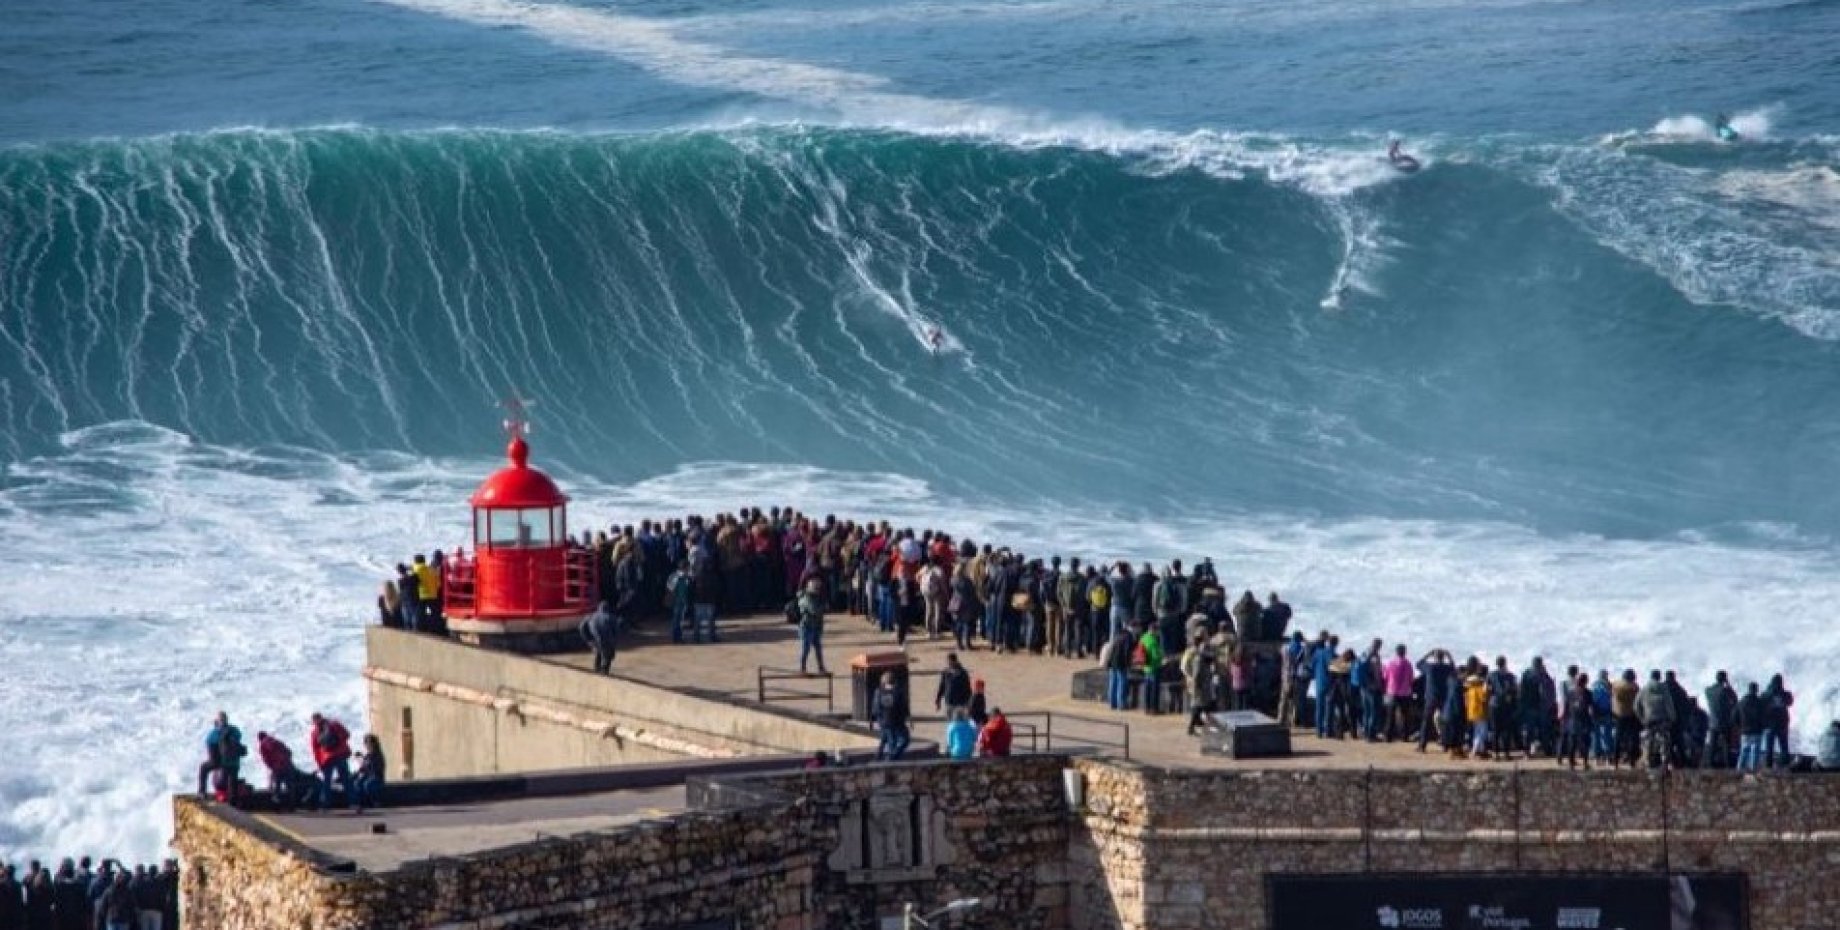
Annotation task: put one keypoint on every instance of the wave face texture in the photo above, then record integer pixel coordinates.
(1249, 324)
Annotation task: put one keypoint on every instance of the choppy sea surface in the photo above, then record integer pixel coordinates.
(265, 269)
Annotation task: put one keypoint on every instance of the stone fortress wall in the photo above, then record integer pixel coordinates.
(1150, 848)
(830, 848)
(1172, 849)
(1147, 848)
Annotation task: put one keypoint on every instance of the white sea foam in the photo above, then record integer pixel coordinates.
(1811, 190)
(1752, 126)
(1716, 233)
(150, 580)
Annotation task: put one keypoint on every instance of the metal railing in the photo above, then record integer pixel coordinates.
(457, 585)
(1043, 736)
(579, 577)
(765, 692)
(573, 585)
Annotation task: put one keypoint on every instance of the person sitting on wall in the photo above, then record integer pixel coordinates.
(224, 752)
(389, 605)
(1827, 751)
(371, 772)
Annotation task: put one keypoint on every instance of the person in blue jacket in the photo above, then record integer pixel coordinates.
(1320, 659)
(223, 751)
(961, 736)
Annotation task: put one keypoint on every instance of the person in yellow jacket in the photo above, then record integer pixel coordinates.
(1476, 711)
(427, 588)
(1099, 605)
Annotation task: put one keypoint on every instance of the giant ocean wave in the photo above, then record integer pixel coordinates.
(1519, 332)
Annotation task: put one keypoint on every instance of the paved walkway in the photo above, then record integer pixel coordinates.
(1023, 685)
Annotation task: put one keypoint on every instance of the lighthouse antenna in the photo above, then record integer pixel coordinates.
(517, 415)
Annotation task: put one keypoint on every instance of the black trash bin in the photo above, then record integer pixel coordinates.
(866, 676)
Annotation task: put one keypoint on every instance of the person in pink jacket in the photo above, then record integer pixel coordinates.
(1396, 676)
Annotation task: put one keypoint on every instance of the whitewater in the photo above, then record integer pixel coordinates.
(1567, 391)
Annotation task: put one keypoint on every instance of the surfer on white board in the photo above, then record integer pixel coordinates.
(935, 339)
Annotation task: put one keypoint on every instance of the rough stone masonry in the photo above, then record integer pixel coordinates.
(1149, 848)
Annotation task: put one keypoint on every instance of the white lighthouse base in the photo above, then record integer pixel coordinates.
(520, 634)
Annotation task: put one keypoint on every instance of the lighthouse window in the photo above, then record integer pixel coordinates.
(521, 528)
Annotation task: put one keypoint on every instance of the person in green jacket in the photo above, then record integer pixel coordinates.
(1152, 645)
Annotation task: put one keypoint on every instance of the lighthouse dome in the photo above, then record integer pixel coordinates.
(518, 485)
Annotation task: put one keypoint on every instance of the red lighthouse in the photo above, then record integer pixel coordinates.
(527, 585)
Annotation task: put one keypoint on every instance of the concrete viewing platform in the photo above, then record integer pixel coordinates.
(528, 793)
(1026, 686)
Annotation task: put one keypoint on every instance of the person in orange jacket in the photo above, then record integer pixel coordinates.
(995, 738)
(332, 753)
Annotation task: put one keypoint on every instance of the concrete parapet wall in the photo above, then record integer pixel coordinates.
(479, 712)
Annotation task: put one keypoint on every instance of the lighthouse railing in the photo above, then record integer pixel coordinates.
(578, 586)
(458, 580)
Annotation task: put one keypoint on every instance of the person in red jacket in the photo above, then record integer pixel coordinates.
(332, 753)
(995, 738)
(286, 782)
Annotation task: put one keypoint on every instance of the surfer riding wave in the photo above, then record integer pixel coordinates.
(1399, 159)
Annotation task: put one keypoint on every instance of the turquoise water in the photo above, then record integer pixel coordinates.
(266, 268)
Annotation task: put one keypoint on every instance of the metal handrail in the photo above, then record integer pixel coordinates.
(766, 673)
(1123, 743)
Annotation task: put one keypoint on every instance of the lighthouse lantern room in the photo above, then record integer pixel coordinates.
(526, 586)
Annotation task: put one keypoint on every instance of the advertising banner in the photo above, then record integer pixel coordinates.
(1493, 901)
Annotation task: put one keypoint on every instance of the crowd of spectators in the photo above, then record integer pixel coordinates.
(1167, 637)
(79, 896)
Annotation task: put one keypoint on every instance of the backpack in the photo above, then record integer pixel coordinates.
(1501, 691)
(1101, 597)
(792, 612)
(1165, 597)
